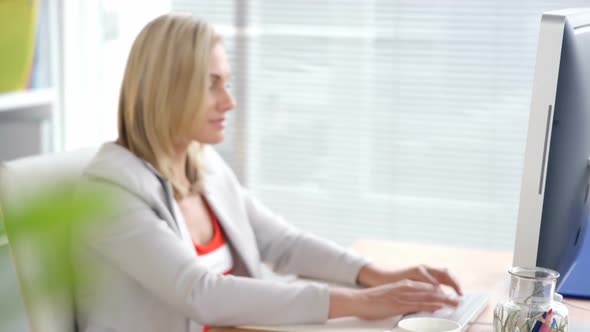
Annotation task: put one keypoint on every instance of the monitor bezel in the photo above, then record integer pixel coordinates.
(536, 159)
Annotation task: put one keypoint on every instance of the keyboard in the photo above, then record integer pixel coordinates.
(471, 306)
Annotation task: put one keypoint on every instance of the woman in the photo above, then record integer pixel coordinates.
(184, 248)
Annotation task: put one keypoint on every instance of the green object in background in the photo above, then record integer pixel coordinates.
(18, 25)
(39, 232)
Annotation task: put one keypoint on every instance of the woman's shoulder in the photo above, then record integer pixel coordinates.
(210, 158)
(214, 165)
(115, 165)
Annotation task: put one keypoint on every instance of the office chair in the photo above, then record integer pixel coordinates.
(19, 181)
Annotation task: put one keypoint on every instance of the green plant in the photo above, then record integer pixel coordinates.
(43, 224)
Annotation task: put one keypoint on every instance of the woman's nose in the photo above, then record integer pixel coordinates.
(228, 103)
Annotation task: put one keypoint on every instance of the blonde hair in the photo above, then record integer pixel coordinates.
(164, 93)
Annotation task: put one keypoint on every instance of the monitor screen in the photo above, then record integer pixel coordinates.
(554, 201)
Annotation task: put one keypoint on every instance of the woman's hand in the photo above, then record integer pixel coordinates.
(388, 300)
(371, 276)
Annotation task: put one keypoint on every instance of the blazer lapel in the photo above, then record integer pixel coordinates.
(181, 227)
(176, 224)
(217, 199)
(235, 239)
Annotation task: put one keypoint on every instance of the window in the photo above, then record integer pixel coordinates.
(382, 119)
(97, 36)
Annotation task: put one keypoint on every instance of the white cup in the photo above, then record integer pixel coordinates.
(428, 324)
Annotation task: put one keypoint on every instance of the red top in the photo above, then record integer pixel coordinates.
(216, 252)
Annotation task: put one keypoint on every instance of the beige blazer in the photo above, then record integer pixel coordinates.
(146, 273)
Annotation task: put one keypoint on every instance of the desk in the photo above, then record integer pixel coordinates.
(478, 271)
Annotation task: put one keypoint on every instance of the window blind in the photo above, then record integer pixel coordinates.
(399, 120)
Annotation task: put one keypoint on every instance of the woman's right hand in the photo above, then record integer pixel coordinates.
(398, 298)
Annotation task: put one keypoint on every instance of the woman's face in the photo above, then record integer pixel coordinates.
(220, 100)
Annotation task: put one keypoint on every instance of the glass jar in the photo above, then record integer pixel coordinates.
(531, 307)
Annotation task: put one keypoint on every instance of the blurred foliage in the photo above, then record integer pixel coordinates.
(39, 232)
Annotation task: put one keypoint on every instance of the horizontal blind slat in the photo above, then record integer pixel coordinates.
(382, 119)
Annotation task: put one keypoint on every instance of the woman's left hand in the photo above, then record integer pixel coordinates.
(371, 276)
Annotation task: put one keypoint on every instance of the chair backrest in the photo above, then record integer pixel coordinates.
(20, 180)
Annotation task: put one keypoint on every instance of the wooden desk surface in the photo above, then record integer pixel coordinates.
(478, 271)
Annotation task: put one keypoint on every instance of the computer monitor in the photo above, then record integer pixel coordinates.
(554, 200)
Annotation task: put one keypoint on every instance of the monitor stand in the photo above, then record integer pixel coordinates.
(576, 285)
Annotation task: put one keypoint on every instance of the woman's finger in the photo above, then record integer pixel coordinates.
(433, 297)
(412, 307)
(425, 274)
(446, 278)
(408, 285)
